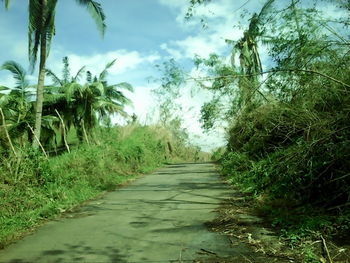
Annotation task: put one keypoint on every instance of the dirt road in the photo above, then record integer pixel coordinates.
(158, 218)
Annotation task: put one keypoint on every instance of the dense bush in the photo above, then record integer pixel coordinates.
(298, 149)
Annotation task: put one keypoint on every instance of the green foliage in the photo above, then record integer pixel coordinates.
(217, 154)
(85, 105)
(168, 91)
(298, 153)
(209, 114)
(171, 112)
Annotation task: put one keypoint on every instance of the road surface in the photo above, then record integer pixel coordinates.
(157, 218)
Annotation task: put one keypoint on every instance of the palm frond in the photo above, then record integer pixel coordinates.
(66, 70)
(103, 107)
(96, 12)
(53, 90)
(3, 88)
(265, 9)
(97, 88)
(126, 86)
(104, 73)
(41, 26)
(36, 17)
(19, 74)
(115, 95)
(55, 79)
(51, 99)
(122, 99)
(50, 119)
(78, 75)
(7, 3)
(4, 100)
(88, 77)
(50, 28)
(72, 91)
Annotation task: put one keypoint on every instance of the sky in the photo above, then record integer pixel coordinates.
(140, 34)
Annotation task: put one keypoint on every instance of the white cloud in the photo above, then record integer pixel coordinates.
(220, 19)
(125, 61)
(7, 80)
(143, 102)
(173, 52)
(174, 3)
(130, 66)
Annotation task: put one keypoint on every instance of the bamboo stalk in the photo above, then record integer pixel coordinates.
(64, 131)
(7, 134)
(38, 141)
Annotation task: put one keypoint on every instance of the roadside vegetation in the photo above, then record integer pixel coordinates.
(34, 188)
(59, 144)
(288, 139)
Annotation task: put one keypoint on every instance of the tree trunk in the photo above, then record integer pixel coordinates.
(41, 80)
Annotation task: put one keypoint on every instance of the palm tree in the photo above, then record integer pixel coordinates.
(16, 104)
(41, 31)
(66, 77)
(250, 62)
(97, 101)
(114, 99)
(84, 106)
(59, 98)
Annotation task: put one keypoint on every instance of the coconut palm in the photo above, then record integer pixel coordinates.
(58, 97)
(84, 106)
(112, 95)
(16, 102)
(41, 31)
(66, 77)
(18, 107)
(97, 100)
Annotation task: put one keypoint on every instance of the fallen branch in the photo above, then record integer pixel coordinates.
(208, 252)
(326, 249)
(64, 131)
(38, 141)
(85, 134)
(274, 71)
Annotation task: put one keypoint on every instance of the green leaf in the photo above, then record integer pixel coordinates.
(18, 72)
(104, 73)
(125, 85)
(96, 12)
(3, 88)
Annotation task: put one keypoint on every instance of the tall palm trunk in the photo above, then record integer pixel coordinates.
(41, 80)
